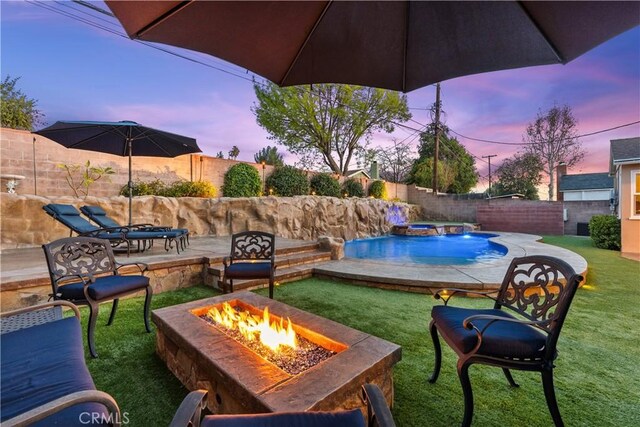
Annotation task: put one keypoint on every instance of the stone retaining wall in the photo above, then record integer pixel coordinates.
(25, 224)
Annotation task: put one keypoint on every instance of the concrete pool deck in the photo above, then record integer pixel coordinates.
(24, 278)
(413, 277)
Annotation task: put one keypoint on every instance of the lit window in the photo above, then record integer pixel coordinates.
(636, 194)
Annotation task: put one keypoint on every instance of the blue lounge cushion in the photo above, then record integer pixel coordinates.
(500, 339)
(248, 270)
(41, 364)
(99, 215)
(104, 287)
(352, 418)
(60, 209)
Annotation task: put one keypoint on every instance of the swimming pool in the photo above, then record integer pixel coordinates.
(448, 249)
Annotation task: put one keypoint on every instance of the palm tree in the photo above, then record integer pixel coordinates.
(233, 154)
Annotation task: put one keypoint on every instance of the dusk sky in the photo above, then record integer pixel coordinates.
(79, 72)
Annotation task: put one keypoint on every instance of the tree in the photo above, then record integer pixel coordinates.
(220, 155)
(520, 174)
(327, 123)
(234, 152)
(16, 109)
(456, 167)
(394, 162)
(270, 156)
(552, 136)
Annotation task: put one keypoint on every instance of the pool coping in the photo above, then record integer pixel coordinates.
(482, 275)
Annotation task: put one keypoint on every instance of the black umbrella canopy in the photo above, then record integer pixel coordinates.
(113, 137)
(399, 45)
(125, 138)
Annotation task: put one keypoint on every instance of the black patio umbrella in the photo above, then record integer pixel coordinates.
(124, 138)
(399, 45)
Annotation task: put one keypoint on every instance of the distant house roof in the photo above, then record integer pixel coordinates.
(624, 151)
(354, 172)
(586, 181)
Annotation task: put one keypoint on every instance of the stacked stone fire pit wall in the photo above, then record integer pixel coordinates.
(25, 224)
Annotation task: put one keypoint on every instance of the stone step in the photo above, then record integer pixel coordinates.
(283, 261)
(294, 264)
(289, 274)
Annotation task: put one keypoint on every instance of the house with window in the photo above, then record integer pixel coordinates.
(624, 166)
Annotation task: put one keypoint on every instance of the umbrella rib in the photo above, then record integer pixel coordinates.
(159, 146)
(306, 40)
(84, 141)
(161, 18)
(546, 38)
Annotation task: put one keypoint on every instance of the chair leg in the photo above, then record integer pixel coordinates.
(147, 307)
(463, 374)
(550, 396)
(507, 373)
(271, 287)
(437, 350)
(114, 307)
(94, 308)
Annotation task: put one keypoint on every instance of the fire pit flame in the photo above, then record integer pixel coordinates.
(254, 328)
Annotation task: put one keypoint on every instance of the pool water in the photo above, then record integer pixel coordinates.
(448, 249)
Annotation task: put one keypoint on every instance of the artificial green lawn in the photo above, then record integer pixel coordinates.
(597, 375)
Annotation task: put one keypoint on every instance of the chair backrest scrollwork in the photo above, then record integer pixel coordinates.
(253, 245)
(540, 288)
(78, 256)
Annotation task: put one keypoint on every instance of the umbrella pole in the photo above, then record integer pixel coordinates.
(130, 184)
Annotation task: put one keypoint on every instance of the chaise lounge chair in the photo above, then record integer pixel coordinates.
(70, 217)
(100, 217)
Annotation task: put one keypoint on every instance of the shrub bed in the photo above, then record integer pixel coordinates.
(175, 189)
(242, 180)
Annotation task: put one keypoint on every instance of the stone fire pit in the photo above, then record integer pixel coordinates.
(241, 381)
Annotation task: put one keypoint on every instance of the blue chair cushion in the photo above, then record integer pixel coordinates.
(248, 270)
(500, 339)
(41, 364)
(351, 418)
(105, 287)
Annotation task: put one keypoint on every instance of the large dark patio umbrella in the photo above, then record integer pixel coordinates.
(399, 45)
(120, 138)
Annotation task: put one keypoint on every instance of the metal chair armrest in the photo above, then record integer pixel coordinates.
(227, 261)
(105, 230)
(190, 410)
(36, 414)
(42, 306)
(143, 267)
(445, 294)
(378, 413)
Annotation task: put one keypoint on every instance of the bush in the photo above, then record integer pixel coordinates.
(605, 231)
(153, 188)
(175, 189)
(352, 188)
(190, 189)
(378, 190)
(288, 181)
(323, 184)
(242, 180)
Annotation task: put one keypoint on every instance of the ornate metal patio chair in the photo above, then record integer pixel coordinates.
(539, 290)
(178, 235)
(378, 414)
(252, 257)
(83, 270)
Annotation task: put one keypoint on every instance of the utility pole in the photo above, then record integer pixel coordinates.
(437, 141)
(489, 157)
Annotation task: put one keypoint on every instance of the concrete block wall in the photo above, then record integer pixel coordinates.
(521, 216)
(17, 157)
(582, 211)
